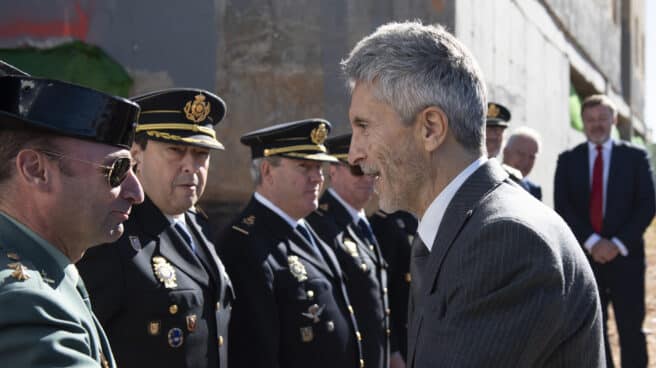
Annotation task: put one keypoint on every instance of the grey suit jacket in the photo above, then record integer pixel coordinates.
(505, 285)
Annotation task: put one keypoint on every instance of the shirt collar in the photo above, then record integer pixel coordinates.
(267, 203)
(355, 214)
(430, 222)
(605, 146)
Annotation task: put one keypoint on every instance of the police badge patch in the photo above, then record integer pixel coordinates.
(297, 268)
(351, 247)
(165, 272)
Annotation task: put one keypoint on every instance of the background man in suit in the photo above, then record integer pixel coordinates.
(605, 191)
(395, 233)
(520, 152)
(341, 221)
(497, 277)
(65, 185)
(160, 291)
(292, 308)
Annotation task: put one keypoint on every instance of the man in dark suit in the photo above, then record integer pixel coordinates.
(395, 233)
(605, 192)
(498, 279)
(66, 185)
(341, 221)
(520, 153)
(160, 291)
(292, 308)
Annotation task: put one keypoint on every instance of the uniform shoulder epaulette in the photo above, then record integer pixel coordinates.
(244, 224)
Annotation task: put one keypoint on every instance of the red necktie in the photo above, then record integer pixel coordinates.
(597, 192)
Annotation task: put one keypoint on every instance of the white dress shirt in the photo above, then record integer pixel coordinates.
(355, 214)
(430, 222)
(607, 152)
(288, 219)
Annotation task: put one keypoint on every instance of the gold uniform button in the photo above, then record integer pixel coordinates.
(388, 311)
(361, 363)
(350, 309)
(310, 294)
(364, 267)
(173, 308)
(218, 305)
(220, 341)
(385, 291)
(358, 335)
(388, 332)
(408, 277)
(371, 248)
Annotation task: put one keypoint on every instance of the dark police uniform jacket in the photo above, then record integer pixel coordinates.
(395, 233)
(161, 304)
(292, 309)
(366, 276)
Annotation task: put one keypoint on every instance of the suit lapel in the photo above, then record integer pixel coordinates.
(485, 179)
(614, 171)
(170, 244)
(582, 160)
(205, 248)
(344, 220)
(282, 230)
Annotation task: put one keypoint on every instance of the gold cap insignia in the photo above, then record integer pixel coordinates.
(13, 256)
(154, 327)
(297, 268)
(493, 111)
(191, 322)
(307, 334)
(197, 110)
(314, 312)
(165, 272)
(20, 271)
(324, 206)
(351, 247)
(319, 134)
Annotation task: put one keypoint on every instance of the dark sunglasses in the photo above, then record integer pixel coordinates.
(115, 173)
(355, 170)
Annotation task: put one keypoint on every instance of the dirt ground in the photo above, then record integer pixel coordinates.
(650, 319)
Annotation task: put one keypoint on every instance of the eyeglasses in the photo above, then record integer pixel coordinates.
(115, 173)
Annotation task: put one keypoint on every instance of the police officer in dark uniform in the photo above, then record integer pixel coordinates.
(395, 233)
(160, 291)
(292, 308)
(341, 221)
(496, 123)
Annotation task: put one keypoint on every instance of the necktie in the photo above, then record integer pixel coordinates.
(182, 230)
(597, 192)
(366, 230)
(306, 234)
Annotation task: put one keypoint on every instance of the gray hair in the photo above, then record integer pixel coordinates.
(525, 132)
(256, 167)
(412, 66)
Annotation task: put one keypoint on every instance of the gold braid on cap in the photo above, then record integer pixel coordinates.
(176, 126)
(303, 147)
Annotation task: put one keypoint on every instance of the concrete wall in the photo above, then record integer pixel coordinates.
(524, 71)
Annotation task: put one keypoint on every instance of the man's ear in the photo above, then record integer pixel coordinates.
(265, 170)
(32, 168)
(433, 127)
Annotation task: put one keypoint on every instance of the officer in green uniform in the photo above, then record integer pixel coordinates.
(292, 308)
(160, 291)
(65, 185)
(341, 221)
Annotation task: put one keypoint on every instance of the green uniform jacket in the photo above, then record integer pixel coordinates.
(45, 319)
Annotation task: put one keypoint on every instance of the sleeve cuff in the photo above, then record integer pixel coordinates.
(591, 241)
(620, 246)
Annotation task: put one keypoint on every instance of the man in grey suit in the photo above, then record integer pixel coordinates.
(498, 279)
